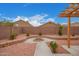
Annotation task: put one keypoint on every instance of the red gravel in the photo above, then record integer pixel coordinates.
(20, 49)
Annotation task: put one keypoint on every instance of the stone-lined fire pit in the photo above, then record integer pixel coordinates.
(38, 39)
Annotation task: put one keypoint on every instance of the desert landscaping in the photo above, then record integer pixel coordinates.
(20, 38)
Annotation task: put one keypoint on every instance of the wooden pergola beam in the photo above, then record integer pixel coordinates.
(70, 14)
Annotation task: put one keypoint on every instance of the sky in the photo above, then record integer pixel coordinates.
(35, 13)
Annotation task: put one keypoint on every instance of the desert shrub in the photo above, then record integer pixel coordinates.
(60, 32)
(27, 34)
(53, 46)
(12, 36)
(40, 34)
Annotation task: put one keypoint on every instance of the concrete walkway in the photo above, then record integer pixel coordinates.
(74, 50)
(42, 50)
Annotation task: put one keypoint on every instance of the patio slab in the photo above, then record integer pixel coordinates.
(74, 49)
(62, 54)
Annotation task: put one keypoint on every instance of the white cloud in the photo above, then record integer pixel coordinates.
(4, 18)
(50, 20)
(66, 23)
(36, 20)
(35, 23)
(38, 17)
(21, 18)
(63, 23)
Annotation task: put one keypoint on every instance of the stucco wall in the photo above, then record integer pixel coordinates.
(5, 31)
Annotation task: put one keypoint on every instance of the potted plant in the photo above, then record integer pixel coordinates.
(12, 36)
(53, 46)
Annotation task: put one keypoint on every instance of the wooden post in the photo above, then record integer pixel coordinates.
(68, 32)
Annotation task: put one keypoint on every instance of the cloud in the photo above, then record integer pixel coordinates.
(21, 18)
(63, 23)
(35, 23)
(4, 18)
(36, 19)
(50, 20)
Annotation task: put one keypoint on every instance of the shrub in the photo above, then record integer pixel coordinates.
(53, 46)
(12, 36)
(27, 34)
(73, 34)
(40, 34)
(60, 32)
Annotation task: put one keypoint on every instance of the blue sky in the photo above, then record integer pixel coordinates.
(35, 13)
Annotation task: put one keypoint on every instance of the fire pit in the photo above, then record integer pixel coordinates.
(38, 39)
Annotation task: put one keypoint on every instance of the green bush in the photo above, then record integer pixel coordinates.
(53, 46)
(12, 36)
(27, 34)
(40, 34)
(60, 32)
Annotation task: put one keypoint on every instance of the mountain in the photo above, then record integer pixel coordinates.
(21, 23)
(50, 24)
(75, 24)
(72, 24)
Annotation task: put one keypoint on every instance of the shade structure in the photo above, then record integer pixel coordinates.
(71, 11)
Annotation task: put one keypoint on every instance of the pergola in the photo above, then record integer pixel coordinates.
(71, 11)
